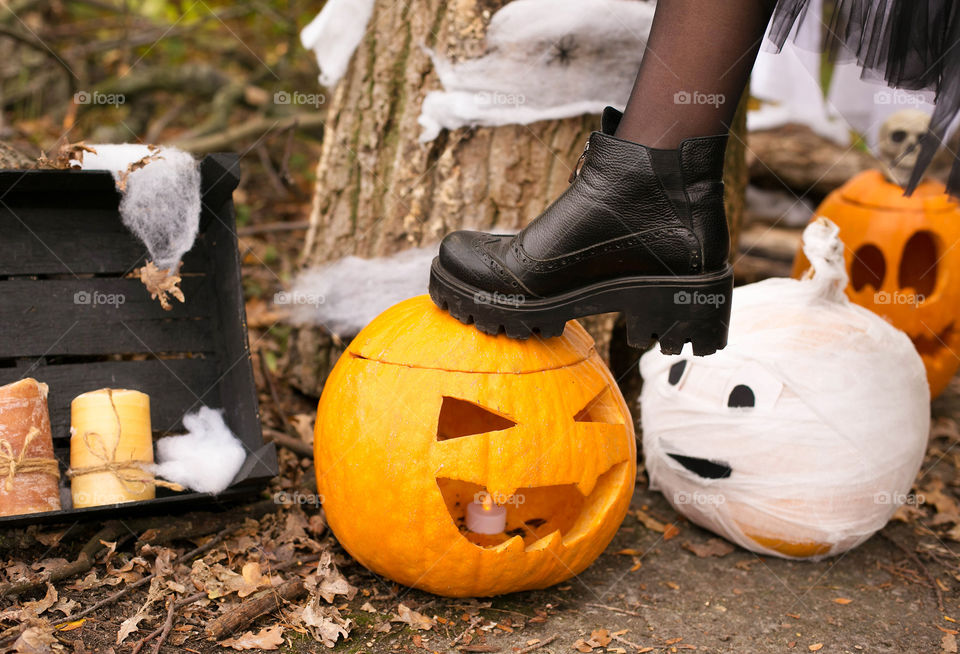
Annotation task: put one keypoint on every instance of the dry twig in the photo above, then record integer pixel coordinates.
(616, 610)
(473, 623)
(536, 646)
(266, 601)
(923, 569)
(167, 626)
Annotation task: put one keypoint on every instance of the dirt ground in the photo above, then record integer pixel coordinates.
(649, 592)
(875, 598)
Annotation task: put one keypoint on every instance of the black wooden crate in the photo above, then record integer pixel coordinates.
(63, 249)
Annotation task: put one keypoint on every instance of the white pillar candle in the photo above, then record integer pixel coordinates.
(111, 426)
(486, 517)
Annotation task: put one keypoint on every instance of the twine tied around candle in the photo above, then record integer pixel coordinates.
(126, 472)
(22, 464)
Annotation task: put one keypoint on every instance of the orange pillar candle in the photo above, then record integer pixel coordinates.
(110, 428)
(29, 475)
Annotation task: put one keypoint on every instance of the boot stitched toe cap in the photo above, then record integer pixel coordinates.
(471, 257)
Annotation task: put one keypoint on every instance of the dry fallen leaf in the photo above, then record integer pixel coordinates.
(130, 625)
(581, 646)
(713, 547)
(327, 581)
(217, 580)
(325, 622)
(842, 600)
(50, 539)
(134, 166)
(160, 283)
(816, 647)
(954, 534)
(944, 503)
(37, 639)
(601, 637)
(34, 609)
(649, 521)
(316, 525)
(414, 619)
(303, 423)
(670, 531)
(266, 638)
(66, 606)
(948, 643)
(88, 582)
(66, 155)
(154, 593)
(263, 315)
(253, 579)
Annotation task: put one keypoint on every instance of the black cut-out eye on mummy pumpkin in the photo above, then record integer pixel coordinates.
(741, 397)
(676, 372)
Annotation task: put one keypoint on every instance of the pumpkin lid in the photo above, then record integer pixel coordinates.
(871, 189)
(416, 333)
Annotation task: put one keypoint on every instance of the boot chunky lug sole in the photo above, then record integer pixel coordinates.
(672, 310)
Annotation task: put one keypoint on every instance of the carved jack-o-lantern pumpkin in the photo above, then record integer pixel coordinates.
(422, 416)
(903, 262)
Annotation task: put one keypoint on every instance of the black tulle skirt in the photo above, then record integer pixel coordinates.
(909, 44)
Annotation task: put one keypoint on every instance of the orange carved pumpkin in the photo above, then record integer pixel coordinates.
(903, 259)
(421, 416)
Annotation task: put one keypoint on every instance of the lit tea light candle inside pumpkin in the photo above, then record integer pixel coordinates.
(29, 473)
(486, 517)
(110, 428)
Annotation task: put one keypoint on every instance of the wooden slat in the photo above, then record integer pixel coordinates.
(72, 241)
(17, 186)
(174, 386)
(49, 317)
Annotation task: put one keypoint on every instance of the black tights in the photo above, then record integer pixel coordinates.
(696, 65)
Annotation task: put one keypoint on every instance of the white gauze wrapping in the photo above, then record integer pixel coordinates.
(344, 295)
(839, 426)
(545, 59)
(161, 203)
(334, 34)
(206, 458)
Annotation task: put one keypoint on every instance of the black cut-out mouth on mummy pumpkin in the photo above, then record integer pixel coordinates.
(538, 515)
(703, 467)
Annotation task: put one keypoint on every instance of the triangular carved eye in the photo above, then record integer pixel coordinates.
(602, 408)
(459, 418)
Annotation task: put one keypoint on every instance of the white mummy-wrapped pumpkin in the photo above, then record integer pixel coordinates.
(804, 434)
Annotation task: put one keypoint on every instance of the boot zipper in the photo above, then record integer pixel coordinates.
(576, 169)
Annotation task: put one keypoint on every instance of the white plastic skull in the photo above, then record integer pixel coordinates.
(897, 140)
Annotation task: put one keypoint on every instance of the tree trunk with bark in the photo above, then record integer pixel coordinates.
(379, 190)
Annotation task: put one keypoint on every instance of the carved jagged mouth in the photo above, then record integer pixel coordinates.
(930, 344)
(537, 515)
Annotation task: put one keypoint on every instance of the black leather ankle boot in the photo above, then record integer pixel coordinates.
(639, 230)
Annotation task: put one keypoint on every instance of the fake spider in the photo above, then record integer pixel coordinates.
(563, 50)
